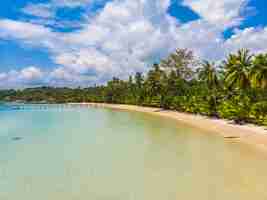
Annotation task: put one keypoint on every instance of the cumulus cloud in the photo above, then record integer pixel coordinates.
(46, 13)
(126, 36)
(48, 10)
(31, 73)
(39, 10)
(121, 39)
(29, 76)
(3, 76)
(251, 38)
(222, 13)
(9, 28)
(27, 33)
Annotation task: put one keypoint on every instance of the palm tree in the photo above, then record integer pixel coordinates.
(238, 67)
(153, 82)
(209, 75)
(258, 73)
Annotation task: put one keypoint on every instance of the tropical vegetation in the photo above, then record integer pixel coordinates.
(235, 89)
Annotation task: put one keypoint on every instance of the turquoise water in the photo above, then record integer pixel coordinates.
(63, 153)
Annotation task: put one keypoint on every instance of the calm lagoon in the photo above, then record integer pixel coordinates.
(64, 153)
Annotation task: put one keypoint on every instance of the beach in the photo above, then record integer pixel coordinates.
(248, 133)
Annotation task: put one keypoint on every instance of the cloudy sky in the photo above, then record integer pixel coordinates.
(86, 42)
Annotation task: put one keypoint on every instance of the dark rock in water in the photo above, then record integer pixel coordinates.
(231, 137)
(16, 108)
(17, 138)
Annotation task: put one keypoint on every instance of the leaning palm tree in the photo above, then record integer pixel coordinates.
(258, 73)
(238, 67)
(209, 75)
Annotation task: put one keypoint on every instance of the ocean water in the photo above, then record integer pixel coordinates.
(65, 153)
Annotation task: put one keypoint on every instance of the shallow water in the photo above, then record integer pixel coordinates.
(57, 153)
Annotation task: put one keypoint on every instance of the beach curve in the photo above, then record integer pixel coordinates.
(249, 133)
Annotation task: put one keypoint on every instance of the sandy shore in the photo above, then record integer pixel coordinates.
(250, 134)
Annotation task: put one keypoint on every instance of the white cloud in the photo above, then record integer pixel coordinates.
(221, 13)
(29, 76)
(39, 10)
(252, 38)
(27, 33)
(72, 3)
(48, 10)
(201, 37)
(61, 74)
(124, 33)
(46, 13)
(3, 76)
(126, 36)
(22, 30)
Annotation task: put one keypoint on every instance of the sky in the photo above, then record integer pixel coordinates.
(86, 42)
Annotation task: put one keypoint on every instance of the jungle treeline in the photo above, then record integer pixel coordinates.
(234, 89)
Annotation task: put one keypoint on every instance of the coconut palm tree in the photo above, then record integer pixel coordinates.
(209, 75)
(258, 73)
(238, 67)
(153, 83)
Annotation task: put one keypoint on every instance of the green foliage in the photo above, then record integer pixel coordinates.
(182, 62)
(237, 90)
(259, 112)
(258, 74)
(209, 75)
(236, 108)
(238, 67)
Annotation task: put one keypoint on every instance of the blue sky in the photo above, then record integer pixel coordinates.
(83, 42)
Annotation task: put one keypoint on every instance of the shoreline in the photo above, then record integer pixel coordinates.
(249, 134)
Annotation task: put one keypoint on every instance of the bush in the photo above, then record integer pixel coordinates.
(259, 112)
(237, 108)
(191, 104)
(178, 103)
(166, 102)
